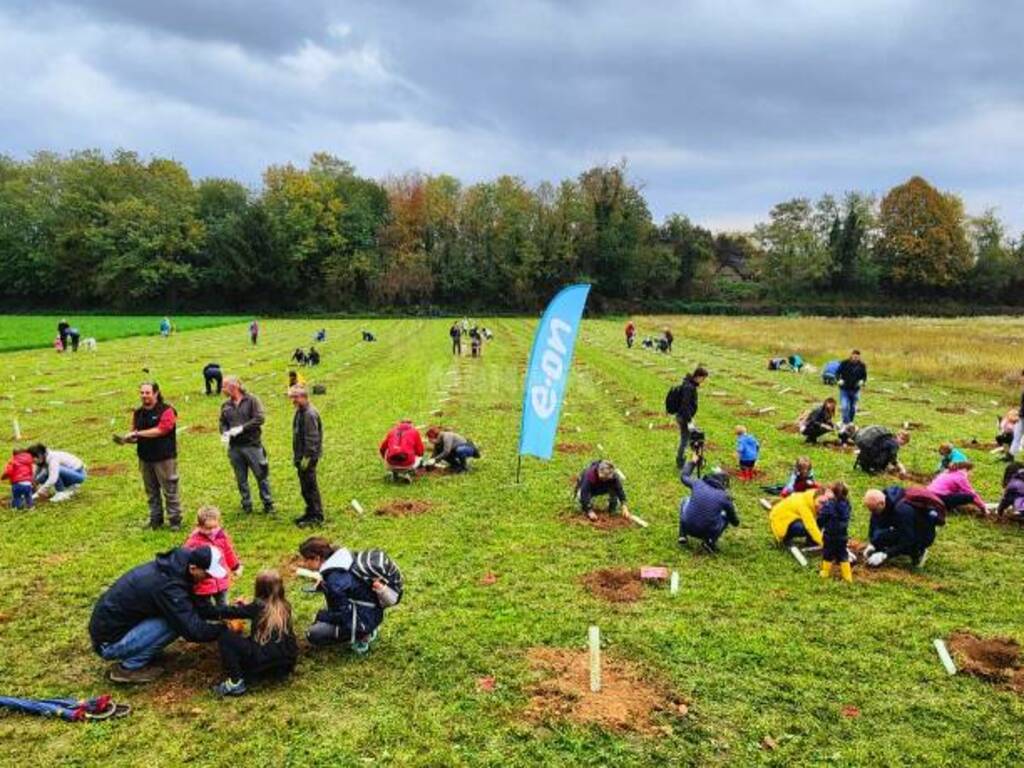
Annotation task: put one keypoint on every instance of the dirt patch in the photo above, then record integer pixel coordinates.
(574, 448)
(956, 410)
(89, 421)
(626, 702)
(918, 478)
(979, 445)
(615, 585)
(403, 508)
(915, 426)
(790, 427)
(504, 408)
(190, 671)
(106, 470)
(667, 427)
(894, 575)
(200, 429)
(996, 659)
(733, 401)
(604, 522)
(832, 445)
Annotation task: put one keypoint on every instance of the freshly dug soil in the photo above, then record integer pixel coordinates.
(626, 702)
(793, 429)
(894, 574)
(956, 410)
(604, 522)
(106, 470)
(996, 659)
(574, 448)
(615, 585)
(403, 508)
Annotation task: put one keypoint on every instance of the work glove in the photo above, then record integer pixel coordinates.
(235, 431)
(877, 559)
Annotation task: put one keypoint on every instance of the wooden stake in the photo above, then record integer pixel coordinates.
(595, 659)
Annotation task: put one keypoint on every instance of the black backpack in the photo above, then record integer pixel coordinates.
(674, 399)
(872, 456)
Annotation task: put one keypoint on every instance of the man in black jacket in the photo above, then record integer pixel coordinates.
(851, 376)
(688, 410)
(241, 422)
(151, 605)
(307, 446)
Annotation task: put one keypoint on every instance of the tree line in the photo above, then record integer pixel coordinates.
(89, 230)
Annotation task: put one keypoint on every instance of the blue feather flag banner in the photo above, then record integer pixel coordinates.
(547, 374)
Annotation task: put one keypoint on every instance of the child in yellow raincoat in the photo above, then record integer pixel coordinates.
(796, 516)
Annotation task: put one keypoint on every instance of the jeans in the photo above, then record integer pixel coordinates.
(684, 441)
(140, 643)
(21, 496)
(458, 457)
(1018, 437)
(251, 457)
(157, 477)
(66, 479)
(848, 404)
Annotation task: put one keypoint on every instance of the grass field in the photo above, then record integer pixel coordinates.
(35, 331)
(755, 646)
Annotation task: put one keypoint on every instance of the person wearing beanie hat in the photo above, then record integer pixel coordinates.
(708, 509)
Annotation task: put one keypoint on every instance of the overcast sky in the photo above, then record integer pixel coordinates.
(721, 108)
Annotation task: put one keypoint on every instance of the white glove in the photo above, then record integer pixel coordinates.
(877, 559)
(225, 437)
(235, 431)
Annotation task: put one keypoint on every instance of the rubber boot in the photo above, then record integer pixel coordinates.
(846, 571)
(826, 569)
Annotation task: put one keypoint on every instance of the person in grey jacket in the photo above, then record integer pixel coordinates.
(453, 448)
(307, 447)
(241, 422)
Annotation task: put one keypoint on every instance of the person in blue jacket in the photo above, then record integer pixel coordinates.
(830, 373)
(705, 513)
(747, 451)
(357, 586)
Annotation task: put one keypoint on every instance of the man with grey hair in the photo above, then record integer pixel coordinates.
(307, 447)
(241, 422)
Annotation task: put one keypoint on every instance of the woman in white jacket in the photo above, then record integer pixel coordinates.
(58, 473)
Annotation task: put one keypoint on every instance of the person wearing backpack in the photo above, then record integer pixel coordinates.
(681, 401)
(401, 449)
(880, 449)
(903, 522)
(851, 376)
(706, 512)
(819, 421)
(357, 586)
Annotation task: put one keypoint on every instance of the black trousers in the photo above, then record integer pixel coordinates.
(310, 491)
(210, 379)
(242, 657)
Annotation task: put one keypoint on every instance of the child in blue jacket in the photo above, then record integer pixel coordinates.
(747, 450)
(834, 521)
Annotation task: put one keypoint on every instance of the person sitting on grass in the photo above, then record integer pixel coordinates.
(270, 650)
(949, 454)
(59, 474)
(903, 522)
(796, 516)
(879, 449)
(708, 509)
(209, 533)
(299, 356)
(818, 421)
(747, 451)
(1012, 501)
(1004, 434)
(358, 587)
(19, 472)
(954, 488)
(834, 519)
(601, 478)
(313, 357)
(149, 607)
(801, 478)
(452, 448)
(402, 449)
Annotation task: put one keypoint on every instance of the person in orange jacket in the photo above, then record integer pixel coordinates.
(402, 449)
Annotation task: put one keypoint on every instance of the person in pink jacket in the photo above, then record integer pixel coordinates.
(954, 488)
(209, 533)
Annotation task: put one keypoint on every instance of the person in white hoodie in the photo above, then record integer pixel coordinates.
(59, 474)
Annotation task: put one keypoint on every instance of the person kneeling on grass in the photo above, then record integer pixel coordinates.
(149, 607)
(800, 479)
(834, 519)
(1012, 501)
(818, 421)
(705, 513)
(452, 448)
(601, 478)
(954, 488)
(902, 522)
(402, 449)
(796, 516)
(270, 650)
(948, 454)
(358, 587)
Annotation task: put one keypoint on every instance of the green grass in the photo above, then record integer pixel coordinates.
(758, 646)
(35, 331)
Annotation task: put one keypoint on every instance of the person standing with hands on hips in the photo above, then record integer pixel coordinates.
(241, 422)
(307, 447)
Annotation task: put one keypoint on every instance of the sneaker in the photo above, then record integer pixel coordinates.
(149, 525)
(373, 637)
(360, 647)
(683, 542)
(174, 527)
(710, 547)
(60, 496)
(268, 509)
(146, 674)
(230, 688)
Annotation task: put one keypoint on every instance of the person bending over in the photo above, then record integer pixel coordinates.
(706, 512)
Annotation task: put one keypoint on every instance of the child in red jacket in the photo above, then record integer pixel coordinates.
(20, 470)
(402, 449)
(208, 533)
